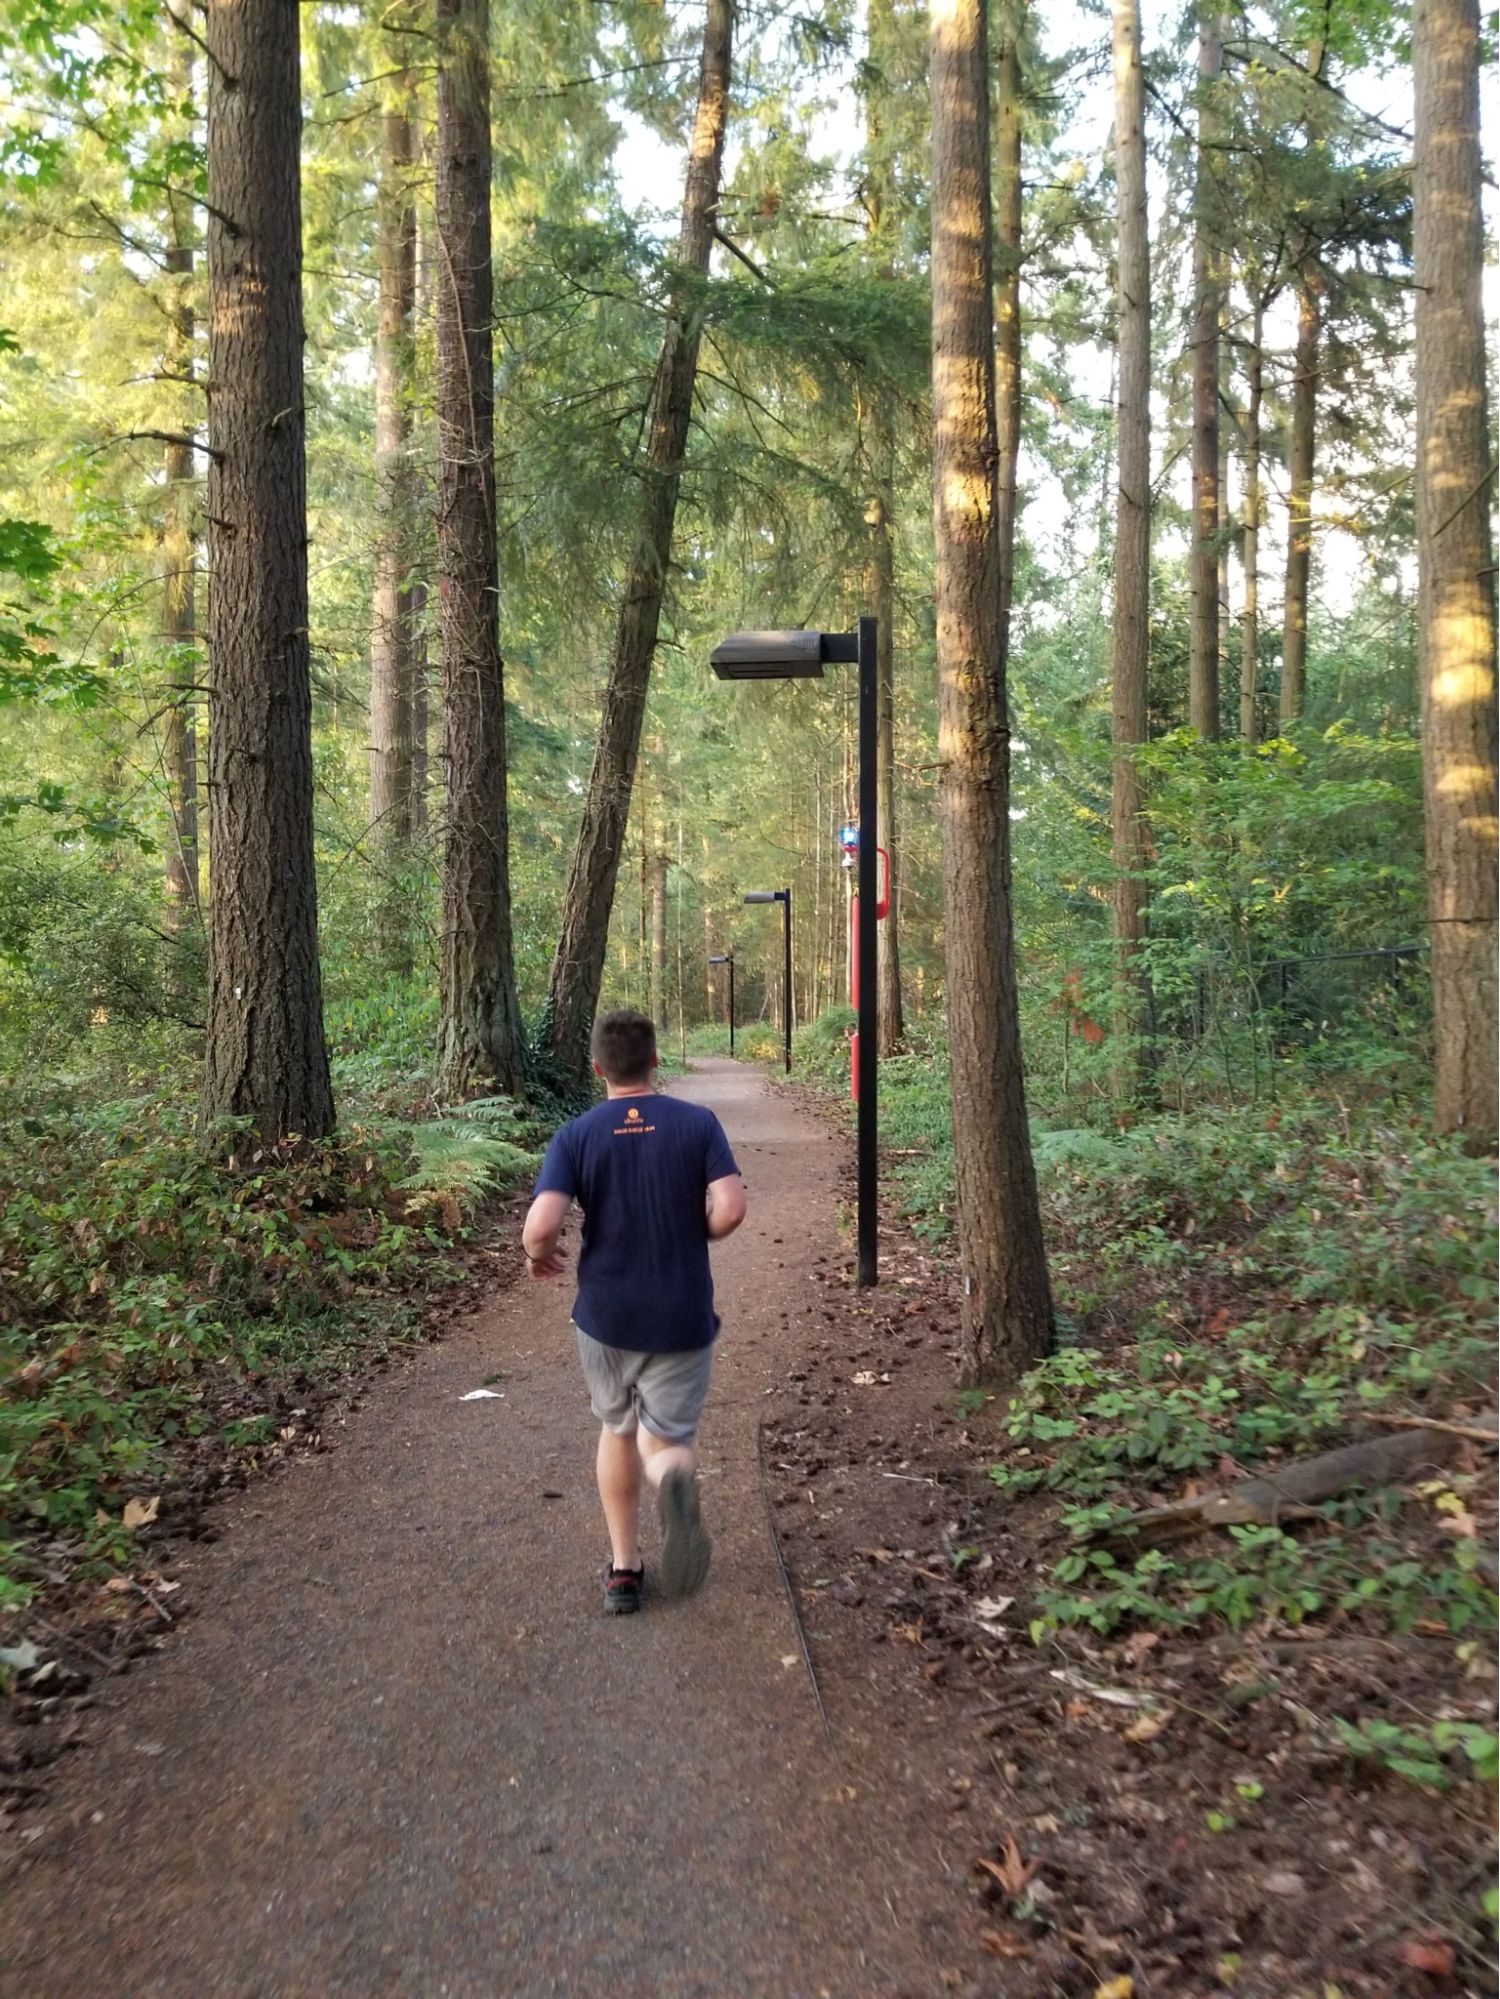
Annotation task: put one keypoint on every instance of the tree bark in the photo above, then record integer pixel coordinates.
(392, 650)
(1007, 1307)
(1203, 645)
(658, 873)
(1131, 635)
(179, 566)
(1299, 500)
(1456, 575)
(1008, 290)
(578, 964)
(1250, 616)
(265, 1057)
(880, 565)
(481, 1048)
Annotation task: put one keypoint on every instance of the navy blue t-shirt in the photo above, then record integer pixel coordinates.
(639, 1167)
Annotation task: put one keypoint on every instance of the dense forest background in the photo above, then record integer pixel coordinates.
(305, 912)
(1300, 834)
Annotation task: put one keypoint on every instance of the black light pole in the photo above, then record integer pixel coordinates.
(727, 958)
(801, 655)
(784, 897)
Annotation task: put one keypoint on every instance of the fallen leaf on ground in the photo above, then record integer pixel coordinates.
(1145, 1728)
(1428, 1954)
(1115, 1696)
(22, 1658)
(877, 1554)
(1139, 1644)
(1013, 1873)
(787, 1658)
(1122, 1987)
(140, 1512)
(1004, 1943)
(990, 1609)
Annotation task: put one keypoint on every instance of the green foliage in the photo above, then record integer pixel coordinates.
(474, 1150)
(143, 1284)
(1426, 1754)
(1280, 1282)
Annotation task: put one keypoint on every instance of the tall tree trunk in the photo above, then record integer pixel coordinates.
(1456, 614)
(880, 565)
(265, 1055)
(480, 1040)
(179, 565)
(420, 668)
(1008, 292)
(658, 873)
(880, 593)
(1299, 499)
(578, 965)
(1250, 617)
(1203, 645)
(1007, 1300)
(1131, 635)
(391, 639)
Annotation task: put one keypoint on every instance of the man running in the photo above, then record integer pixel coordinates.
(657, 1183)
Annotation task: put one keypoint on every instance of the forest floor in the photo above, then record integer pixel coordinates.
(394, 1749)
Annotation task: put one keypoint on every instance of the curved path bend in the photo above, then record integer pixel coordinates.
(400, 1752)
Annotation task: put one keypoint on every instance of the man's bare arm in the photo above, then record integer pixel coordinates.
(539, 1235)
(726, 1206)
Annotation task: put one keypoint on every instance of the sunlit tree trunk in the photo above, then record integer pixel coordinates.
(1203, 644)
(179, 564)
(1007, 1310)
(1250, 615)
(1008, 290)
(657, 869)
(265, 1056)
(1131, 633)
(1299, 500)
(480, 1040)
(578, 964)
(391, 640)
(1455, 552)
(880, 566)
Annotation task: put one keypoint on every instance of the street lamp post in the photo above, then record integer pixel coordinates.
(800, 655)
(727, 958)
(784, 897)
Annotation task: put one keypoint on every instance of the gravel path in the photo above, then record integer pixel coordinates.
(400, 1752)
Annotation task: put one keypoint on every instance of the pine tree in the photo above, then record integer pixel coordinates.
(1455, 474)
(265, 1057)
(480, 1040)
(1132, 554)
(578, 964)
(1203, 651)
(1007, 1298)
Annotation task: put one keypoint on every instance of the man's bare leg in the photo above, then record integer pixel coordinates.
(658, 1457)
(671, 1469)
(619, 1470)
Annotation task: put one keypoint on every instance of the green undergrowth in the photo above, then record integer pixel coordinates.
(1237, 1289)
(1234, 1288)
(154, 1289)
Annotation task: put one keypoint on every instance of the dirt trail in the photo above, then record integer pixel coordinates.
(399, 1751)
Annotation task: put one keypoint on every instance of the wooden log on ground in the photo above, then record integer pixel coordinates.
(1286, 1493)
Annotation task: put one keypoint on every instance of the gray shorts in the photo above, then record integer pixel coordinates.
(663, 1391)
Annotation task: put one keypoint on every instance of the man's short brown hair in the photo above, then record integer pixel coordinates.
(625, 1046)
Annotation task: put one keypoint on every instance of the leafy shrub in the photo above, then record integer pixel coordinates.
(140, 1276)
(1360, 1277)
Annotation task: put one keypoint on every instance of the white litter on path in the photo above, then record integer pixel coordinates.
(483, 1395)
